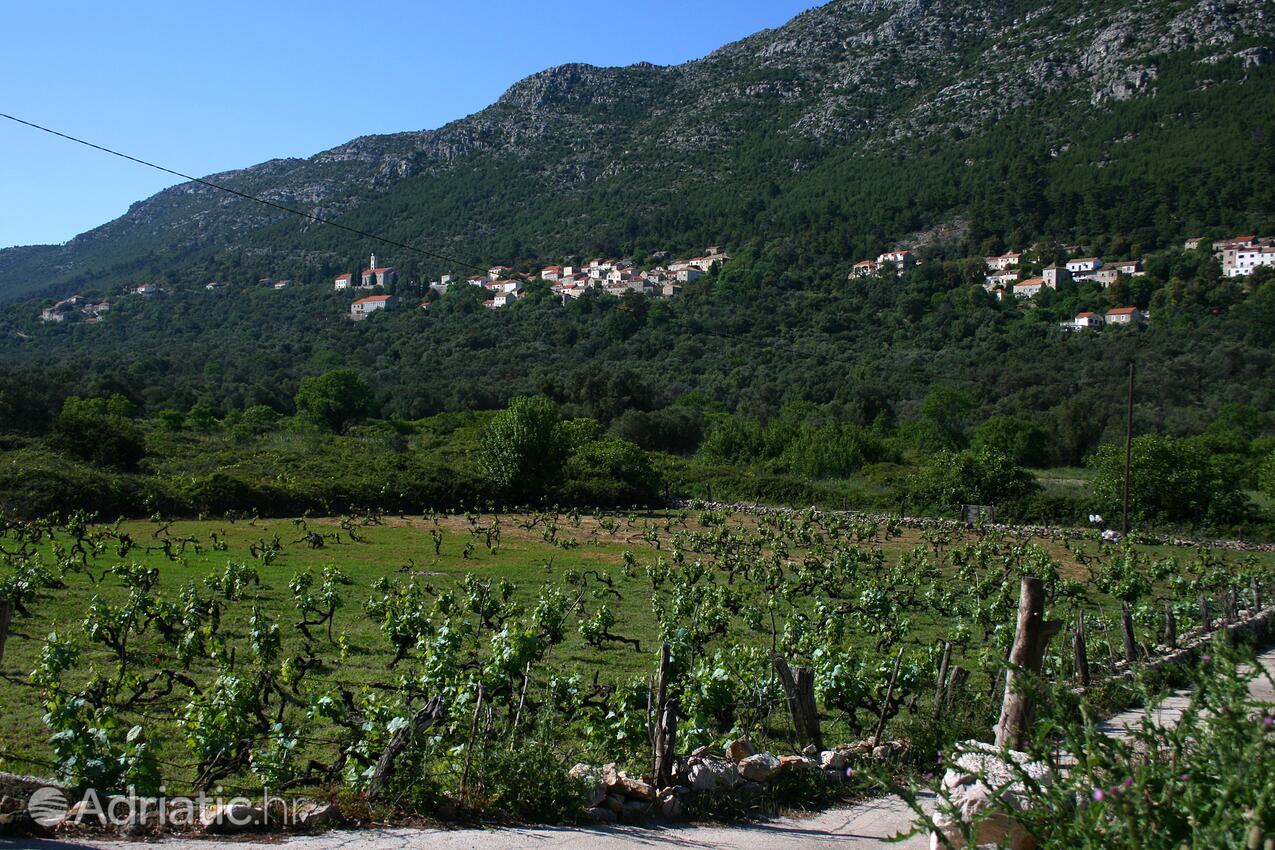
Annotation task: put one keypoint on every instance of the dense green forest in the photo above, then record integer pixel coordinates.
(918, 392)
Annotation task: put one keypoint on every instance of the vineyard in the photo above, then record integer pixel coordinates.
(487, 653)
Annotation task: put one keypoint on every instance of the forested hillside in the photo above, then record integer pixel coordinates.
(848, 129)
(957, 129)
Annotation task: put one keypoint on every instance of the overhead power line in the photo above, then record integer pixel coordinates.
(697, 328)
(243, 195)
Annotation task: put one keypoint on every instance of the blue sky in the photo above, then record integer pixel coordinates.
(209, 86)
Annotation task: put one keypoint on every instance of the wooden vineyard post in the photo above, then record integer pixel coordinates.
(1031, 636)
(1232, 606)
(1255, 591)
(1205, 621)
(955, 684)
(664, 725)
(799, 690)
(6, 617)
(889, 694)
(1170, 627)
(1081, 651)
(1126, 633)
(942, 680)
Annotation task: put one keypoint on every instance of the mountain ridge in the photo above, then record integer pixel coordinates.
(879, 79)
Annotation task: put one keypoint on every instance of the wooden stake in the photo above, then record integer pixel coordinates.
(469, 747)
(1081, 652)
(1126, 633)
(1170, 626)
(942, 679)
(1031, 636)
(6, 618)
(663, 746)
(955, 684)
(889, 694)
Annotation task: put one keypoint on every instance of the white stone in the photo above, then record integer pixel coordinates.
(760, 767)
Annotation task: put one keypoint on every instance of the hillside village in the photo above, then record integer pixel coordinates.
(1012, 274)
(610, 276)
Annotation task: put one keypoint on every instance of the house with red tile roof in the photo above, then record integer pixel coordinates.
(365, 307)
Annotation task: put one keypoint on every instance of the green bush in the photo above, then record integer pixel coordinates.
(1171, 480)
(983, 477)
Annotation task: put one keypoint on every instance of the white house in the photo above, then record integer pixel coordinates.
(214, 285)
(864, 268)
(688, 275)
(1002, 262)
(282, 284)
(1248, 259)
(497, 272)
(902, 260)
(365, 307)
(1124, 316)
(1087, 321)
(1029, 288)
(1193, 243)
(146, 290)
(1000, 279)
(1133, 268)
(344, 281)
(1104, 277)
(551, 273)
(1084, 264)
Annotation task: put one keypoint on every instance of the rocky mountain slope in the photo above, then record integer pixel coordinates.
(815, 126)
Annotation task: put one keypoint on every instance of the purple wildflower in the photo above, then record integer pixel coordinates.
(1098, 795)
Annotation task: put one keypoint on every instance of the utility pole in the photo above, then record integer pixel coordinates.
(1128, 457)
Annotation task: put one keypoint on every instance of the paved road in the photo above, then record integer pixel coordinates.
(865, 826)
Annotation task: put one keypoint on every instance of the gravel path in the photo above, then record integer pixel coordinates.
(867, 825)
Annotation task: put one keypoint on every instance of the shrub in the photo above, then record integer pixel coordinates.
(1171, 480)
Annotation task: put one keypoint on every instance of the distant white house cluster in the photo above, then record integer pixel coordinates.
(76, 305)
(1005, 274)
(900, 260)
(614, 277)
(1242, 255)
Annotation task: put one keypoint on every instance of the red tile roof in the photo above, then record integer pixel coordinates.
(1122, 311)
(374, 299)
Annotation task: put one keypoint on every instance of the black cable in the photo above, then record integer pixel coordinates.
(245, 195)
(354, 230)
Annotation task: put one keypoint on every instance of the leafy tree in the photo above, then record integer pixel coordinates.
(1021, 440)
(335, 400)
(1171, 480)
(975, 477)
(522, 449)
(611, 471)
(944, 421)
(96, 430)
